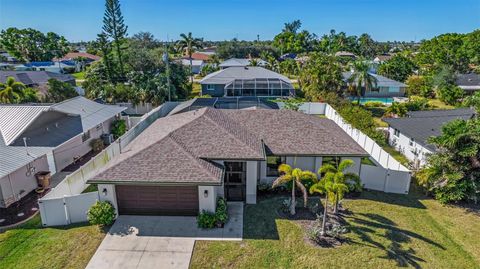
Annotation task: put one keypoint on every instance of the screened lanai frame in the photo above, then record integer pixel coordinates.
(274, 87)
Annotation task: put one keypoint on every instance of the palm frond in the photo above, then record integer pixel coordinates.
(281, 180)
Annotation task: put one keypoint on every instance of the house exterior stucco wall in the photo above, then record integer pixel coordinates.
(18, 184)
(110, 196)
(252, 175)
(207, 203)
(402, 144)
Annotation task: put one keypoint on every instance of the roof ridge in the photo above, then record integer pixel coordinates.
(197, 159)
(227, 119)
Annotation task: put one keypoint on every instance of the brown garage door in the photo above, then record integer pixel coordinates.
(157, 200)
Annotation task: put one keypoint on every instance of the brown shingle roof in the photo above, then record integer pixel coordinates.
(180, 148)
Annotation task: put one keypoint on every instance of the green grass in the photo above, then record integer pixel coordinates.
(437, 104)
(379, 122)
(31, 246)
(386, 231)
(397, 155)
(196, 90)
(79, 75)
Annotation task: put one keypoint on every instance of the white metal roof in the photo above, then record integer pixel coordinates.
(15, 119)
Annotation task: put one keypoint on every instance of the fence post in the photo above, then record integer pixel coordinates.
(67, 216)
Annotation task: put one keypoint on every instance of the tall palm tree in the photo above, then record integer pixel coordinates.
(334, 184)
(361, 79)
(296, 176)
(11, 91)
(189, 44)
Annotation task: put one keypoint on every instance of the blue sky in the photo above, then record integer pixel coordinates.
(244, 19)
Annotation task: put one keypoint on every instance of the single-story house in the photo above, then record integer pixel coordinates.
(182, 163)
(46, 137)
(345, 54)
(468, 82)
(238, 62)
(55, 67)
(202, 56)
(7, 57)
(385, 87)
(380, 59)
(73, 56)
(197, 65)
(35, 78)
(410, 135)
(246, 81)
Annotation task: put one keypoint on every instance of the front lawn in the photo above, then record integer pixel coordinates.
(386, 231)
(31, 246)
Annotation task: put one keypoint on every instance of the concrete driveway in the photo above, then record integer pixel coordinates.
(159, 241)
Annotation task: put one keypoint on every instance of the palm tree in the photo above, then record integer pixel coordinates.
(11, 91)
(361, 79)
(296, 176)
(334, 184)
(189, 44)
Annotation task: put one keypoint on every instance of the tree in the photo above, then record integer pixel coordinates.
(450, 94)
(32, 45)
(59, 91)
(115, 28)
(292, 27)
(366, 46)
(453, 172)
(361, 80)
(397, 68)
(321, 73)
(11, 91)
(420, 85)
(189, 45)
(292, 41)
(29, 95)
(296, 176)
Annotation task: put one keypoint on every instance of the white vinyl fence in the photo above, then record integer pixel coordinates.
(389, 175)
(65, 203)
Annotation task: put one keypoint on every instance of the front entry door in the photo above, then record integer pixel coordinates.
(235, 181)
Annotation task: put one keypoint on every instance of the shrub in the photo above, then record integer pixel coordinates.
(362, 120)
(206, 220)
(101, 213)
(221, 213)
(119, 127)
(450, 94)
(373, 104)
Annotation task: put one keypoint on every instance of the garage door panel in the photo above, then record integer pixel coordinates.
(157, 200)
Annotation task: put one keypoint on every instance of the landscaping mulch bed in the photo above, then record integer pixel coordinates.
(20, 210)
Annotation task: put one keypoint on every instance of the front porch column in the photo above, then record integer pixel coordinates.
(207, 199)
(252, 171)
(107, 192)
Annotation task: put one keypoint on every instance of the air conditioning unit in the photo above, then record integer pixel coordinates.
(107, 139)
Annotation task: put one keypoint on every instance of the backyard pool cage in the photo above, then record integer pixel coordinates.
(259, 87)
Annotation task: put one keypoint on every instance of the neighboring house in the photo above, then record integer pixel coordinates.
(380, 59)
(246, 81)
(197, 65)
(55, 67)
(225, 103)
(72, 56)
(410, 135)
(202, 56)
(237, 62)
(182, 163)
(468, 82)
(385, 87)
(345, 54)
(9, 59)
(39, 79)
(35, 78)
(46, 137)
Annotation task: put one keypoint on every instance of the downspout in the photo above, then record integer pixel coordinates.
(11, 187)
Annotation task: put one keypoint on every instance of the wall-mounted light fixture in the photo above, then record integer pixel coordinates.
(104, 191)
(205, 193)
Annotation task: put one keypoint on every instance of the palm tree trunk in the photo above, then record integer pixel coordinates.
(325, 212)
(335, 208)
(191, 71)
(292, 205)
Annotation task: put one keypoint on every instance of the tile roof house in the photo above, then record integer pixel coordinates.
(385, 87)
(203, 154)
(410, 135)
(74, 55)
(468, 82)
(46, 137)
(246, 81)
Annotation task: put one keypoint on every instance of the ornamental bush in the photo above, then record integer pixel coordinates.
(206, 220)
(119, 127)
(101, 213)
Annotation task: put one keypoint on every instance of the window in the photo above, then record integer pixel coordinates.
(396, 132)
(210, 87)
(273, 162)
(331, 160)
(86, 136)
(412, 141)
